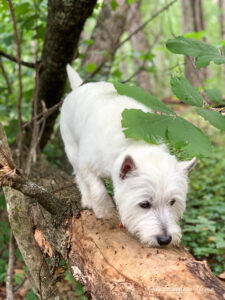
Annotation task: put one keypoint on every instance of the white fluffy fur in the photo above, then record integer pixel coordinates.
(96, 147)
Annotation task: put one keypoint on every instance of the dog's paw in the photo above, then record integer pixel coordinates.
(86, 202)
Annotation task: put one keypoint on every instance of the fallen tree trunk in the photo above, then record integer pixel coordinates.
(110, 262)
(114, 265)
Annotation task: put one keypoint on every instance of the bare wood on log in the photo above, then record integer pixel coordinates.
(113, 265)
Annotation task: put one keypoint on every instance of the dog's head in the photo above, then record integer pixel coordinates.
(150, 188)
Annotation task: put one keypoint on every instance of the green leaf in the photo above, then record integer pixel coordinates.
(215, 118)
(202, 51)
(185, 91)
(30, 296)
(143, 97)
(90, 67)
(182, 134)
(145, 126)
(114, 4)
(214, 95)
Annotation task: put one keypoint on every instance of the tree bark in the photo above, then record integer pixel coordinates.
(106, 36)
(139, 44)
(193, 20)
(20, 222)
(64, 24)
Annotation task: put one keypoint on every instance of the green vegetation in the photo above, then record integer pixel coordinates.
(204, 218)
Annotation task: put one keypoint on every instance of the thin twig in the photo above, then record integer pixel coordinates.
(20, 138)
(127, 39)
(44, 114)
(35, 127)
(63, 188)
(146, 23)
(22, 62)
(5, 76)
(40, 279)
(11, 263)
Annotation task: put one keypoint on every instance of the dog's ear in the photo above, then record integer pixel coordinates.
(127, 167)
(187, 165)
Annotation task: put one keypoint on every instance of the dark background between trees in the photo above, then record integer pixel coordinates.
(109, 40)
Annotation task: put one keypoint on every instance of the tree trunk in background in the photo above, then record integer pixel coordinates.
(140, 44)
(221, 4)
(106, 35)
(65, 22)
(192, 20)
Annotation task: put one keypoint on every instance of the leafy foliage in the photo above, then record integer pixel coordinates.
(142, 97)
(157, 129)
(184, 135)
(214, 117)
(185, 91)
(203, 52)
(204, 218)
(214, 95)
(149, 127)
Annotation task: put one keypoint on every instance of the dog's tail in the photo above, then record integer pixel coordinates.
(74, 77)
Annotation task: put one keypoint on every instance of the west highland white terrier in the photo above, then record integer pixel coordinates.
(150, 185)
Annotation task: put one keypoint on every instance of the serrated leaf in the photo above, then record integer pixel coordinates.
(202, 51)
(185, 91)
(143, 97)
(149, 127)
(214, 95)
(213, 117)
(191, 139)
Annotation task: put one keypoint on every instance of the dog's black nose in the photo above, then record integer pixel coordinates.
(164, 239)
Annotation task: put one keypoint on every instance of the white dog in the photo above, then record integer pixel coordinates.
(150, 185)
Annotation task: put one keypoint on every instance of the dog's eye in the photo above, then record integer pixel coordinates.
(172, 202)
(145, 204)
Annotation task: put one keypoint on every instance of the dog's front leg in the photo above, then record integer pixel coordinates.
(94, 194)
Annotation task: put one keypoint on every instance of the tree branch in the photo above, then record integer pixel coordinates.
(9, 276)
(13, 177)
(6, 77)
(22, 62)
(127, 39)
(20, 138)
